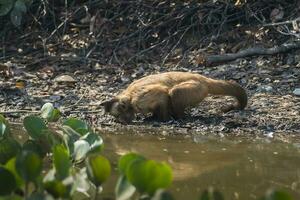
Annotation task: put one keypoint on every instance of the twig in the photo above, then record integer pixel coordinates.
(177, 43)
(63, 23)
(282, 23)
(86, 111)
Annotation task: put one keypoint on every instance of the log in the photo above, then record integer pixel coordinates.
(255, 51)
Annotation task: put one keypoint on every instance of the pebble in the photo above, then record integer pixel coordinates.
(54, 98)
(65, 78)
(265, 88)
(296, 92)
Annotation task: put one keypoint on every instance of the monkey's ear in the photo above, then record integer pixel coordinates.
(108, 104)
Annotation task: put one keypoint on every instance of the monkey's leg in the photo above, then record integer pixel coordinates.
(157, 101)
(185, 95)
(162, 112)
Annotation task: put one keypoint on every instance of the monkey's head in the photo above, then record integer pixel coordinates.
(120, 108)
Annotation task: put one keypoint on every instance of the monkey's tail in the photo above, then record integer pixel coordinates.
(229, 88)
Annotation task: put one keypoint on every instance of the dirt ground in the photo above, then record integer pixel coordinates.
(273, 107)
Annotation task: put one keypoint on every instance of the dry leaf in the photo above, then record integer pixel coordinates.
(20, 84)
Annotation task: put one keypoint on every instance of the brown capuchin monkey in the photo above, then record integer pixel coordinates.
(168, 94)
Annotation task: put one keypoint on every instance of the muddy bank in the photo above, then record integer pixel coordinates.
(272, 108)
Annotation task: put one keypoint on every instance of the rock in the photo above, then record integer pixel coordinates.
(265, 88)
(54, 98)
(64, 79)
(296, 92)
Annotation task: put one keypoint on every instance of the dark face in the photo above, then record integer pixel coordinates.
(121, 109)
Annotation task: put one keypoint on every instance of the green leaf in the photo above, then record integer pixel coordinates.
(11, 197)
(124, 190)
(29, 165)
(17, 12)
(81, 148)
(148, 175)
(70, 137)
(6, 6)
(40, 196)
(34, 146)
(57, 189)
(98, 169)
(162, 195)
(9, 148)
(4, 127)
(20, 5)
(126, 160)
(95, 142)
(7, 182)
(211, 194)
(49, 113)
(11, 166)
(77, 125)
(81, 184)
(277, 195)
(89, 143)
(28, 2)
(35, 126)
(61, 161)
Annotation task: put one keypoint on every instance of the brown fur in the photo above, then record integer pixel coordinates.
(168, 94)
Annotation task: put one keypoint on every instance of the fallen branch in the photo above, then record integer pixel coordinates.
(255, 51)
(33, 111)
(18, 111)
(282, 23)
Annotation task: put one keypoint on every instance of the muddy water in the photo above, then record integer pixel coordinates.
(240, 168)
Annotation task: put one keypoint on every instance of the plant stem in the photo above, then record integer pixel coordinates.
(26, 190)
(96, 195)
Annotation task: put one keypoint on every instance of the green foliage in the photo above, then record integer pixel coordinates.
(50, 113)
(35, 126)
(11, 166)
(126, 160)
(11, 197)
(211, 194)
(98, 169)
(162, 195)
(29, 166)
(7, 182)
(34, 146)
(57, 189)
(4, 127)
(5, 6)
(61, 161)
(124, 190)
(80, 139)
(8, 148)
(40, 196)
(16, 8)
(277, 195)
(77, 125)
(148, 175)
